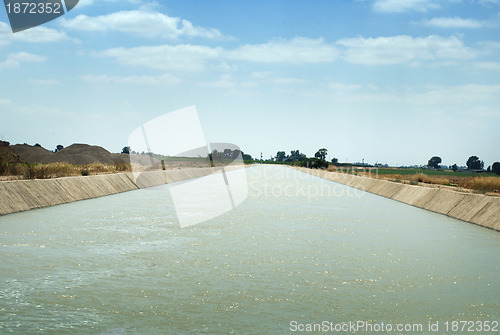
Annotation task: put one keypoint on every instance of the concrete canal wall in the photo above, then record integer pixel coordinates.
(474, 208)
(23, 195)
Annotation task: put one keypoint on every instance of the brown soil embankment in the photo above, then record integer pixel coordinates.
(474, 208)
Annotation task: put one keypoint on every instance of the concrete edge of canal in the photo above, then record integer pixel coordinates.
(22, 195)
(474, 208)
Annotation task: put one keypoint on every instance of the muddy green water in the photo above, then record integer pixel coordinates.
(298, 249)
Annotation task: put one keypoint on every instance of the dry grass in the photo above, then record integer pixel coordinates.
(478, 184)
(414, 179)
(61, 169)
(423, 178)
(482, 184)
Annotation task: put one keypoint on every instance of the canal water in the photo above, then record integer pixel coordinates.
(298, 251)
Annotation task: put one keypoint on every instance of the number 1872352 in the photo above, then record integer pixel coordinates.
(33, 8)
(471, 326)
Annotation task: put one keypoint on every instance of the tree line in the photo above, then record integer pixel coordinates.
(473, 163)
(300, 159)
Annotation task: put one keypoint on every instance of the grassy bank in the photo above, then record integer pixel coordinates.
(56, 170)
(477, 182)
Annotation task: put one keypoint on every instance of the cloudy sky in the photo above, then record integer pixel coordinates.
(386, 81)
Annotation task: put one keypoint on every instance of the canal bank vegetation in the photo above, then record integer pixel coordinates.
(23, 161)
(471, 177)
(467, 180)
(12, 171)
(35, 162)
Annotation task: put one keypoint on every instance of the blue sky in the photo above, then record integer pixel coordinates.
(381, 80)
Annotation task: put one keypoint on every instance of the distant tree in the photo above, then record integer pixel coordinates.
(231, 154)
(454, 167)
(434, 162)
(321, 154)
(473, 163)
(335, 161)
(315, 163)
(296, 155)
(216, 156)
(59, 148)
(126, 150)
(235, 153)
(488, 169)
(280, 156)
(38, 145)
(228, 153)
(495, 168)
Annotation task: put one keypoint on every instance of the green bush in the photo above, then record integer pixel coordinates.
(314, 163)
(495, 168)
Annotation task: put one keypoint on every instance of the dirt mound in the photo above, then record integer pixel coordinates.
(33, 154)
(7, 154)
(120, 158)
(74, 154)
(84, 154)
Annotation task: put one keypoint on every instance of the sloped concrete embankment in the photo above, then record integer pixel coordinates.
(23, 195)
(474, 208)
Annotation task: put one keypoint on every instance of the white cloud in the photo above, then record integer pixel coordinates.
(83, 3)
(368, 51)
(260, 74)
(43, 82)
(457, 95)
(453, 22)
(290, 81)
(225, 81)
(181, 57)
(228, 81)
(233, 86)
(141, 23)
(489, 2)
(428, 99)
(15, 59)
(343, 87)
(33, 35)
(165, 79)
(297, 50)
(399, 6)
(402, 49)
(495, 66)
(187, 57)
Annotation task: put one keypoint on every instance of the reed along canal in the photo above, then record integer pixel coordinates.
(298, 251)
